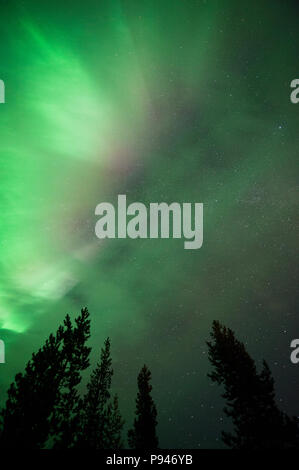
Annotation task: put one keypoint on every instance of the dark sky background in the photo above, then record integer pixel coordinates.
(185, 101)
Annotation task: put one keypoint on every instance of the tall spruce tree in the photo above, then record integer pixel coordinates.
(115, 423)
(101, 422)
(43, 401)
(249, 395)
(143, 435)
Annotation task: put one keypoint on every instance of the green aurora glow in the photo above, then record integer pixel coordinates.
(162, 101)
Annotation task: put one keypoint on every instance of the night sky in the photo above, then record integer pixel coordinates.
(172, 100)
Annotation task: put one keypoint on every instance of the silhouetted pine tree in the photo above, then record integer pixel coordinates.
(249, 395)
(143, 435)
(42, 402)
(101, 423)
(115, 423)
(65, 420)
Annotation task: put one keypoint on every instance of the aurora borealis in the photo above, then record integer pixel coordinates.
(185, 101)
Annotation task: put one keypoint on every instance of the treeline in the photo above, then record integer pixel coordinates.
(45, 410)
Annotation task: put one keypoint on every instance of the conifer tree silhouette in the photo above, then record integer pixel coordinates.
(113, 436)
(143, 435)
(249, 395)
(101, 422)
(42, 402)
(65, 420)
